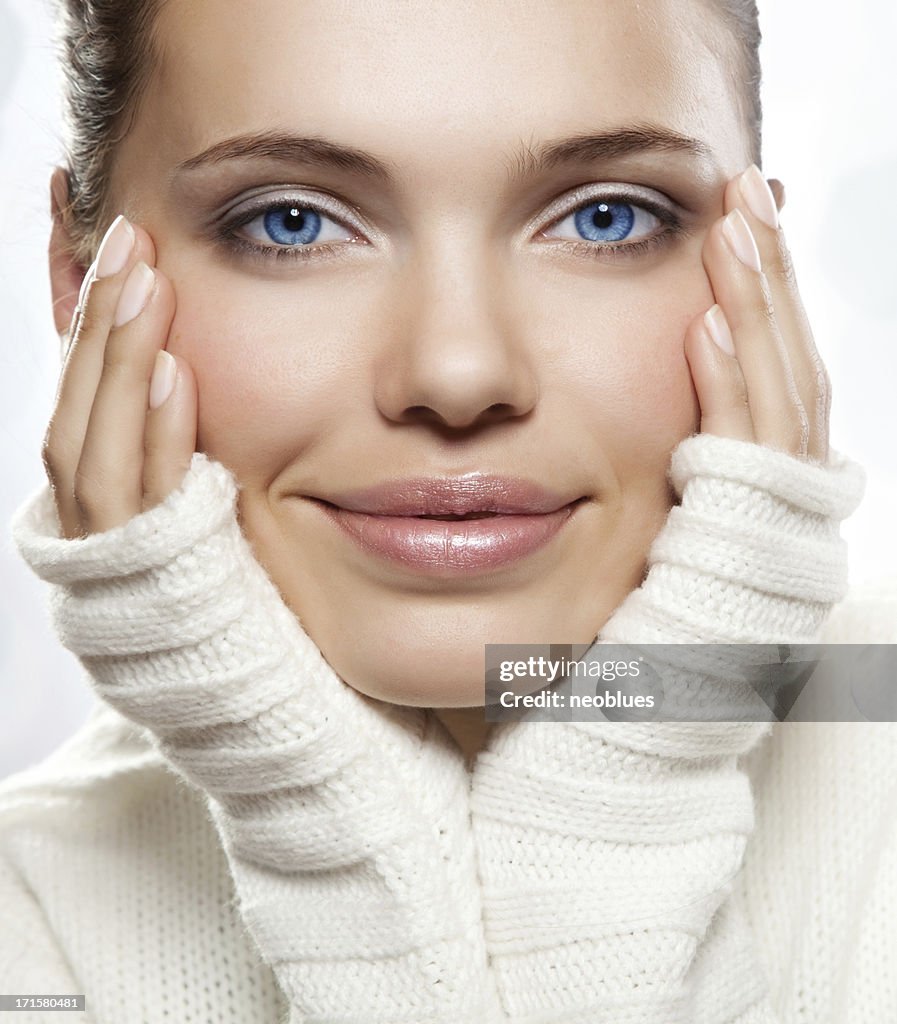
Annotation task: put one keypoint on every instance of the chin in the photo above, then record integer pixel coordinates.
(445, 679)
(441, 663)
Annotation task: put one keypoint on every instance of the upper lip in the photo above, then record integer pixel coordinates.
(453, 496)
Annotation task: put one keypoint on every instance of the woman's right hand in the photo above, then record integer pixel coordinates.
(123, 430)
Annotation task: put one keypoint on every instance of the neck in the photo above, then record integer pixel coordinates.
(467, 727)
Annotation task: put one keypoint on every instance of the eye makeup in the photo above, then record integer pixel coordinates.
(606, 199)
(228, 229)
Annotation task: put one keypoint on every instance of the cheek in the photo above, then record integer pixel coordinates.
(617, 348)
(274, 366)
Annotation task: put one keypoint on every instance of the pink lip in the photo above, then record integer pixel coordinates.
(386, 521)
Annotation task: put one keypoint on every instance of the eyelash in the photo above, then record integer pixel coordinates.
(674, 228)
(227, 235)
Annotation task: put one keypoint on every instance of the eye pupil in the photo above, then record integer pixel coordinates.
(602, 218)
(294, 220)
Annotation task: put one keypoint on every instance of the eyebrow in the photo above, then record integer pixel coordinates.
(528, 161)
(607, 145)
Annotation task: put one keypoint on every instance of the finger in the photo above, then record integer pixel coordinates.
(109, 477)
(718, 380)
(64, 439)
(170, 438)
(750, 194)
(732, 261)
(69, 336)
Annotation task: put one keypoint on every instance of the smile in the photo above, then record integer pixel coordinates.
(451, 526)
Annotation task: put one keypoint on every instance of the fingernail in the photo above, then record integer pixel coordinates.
(718, 327)
(739, 237)
(134, 294)
(115, 248)
(162, 383)
(758, 196)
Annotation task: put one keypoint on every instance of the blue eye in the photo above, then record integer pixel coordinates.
(605, 222)
(608, 222)
(291, 225)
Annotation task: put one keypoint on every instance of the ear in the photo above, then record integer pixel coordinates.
(778, 190)
(66, 274)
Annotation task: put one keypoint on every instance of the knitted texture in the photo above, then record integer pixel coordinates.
(600, 858)
(113, 884)
(345, 821)
(608, 850)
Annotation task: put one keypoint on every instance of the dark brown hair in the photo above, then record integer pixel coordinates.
(108, 50)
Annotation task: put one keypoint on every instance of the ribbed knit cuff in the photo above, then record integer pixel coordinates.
(344, 820)
(752, 554)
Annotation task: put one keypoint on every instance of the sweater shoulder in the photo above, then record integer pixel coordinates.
(116, 858)
(107, 747)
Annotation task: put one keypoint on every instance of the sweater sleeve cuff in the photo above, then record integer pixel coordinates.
(170, 613)
(752, 554)
(833, 490)
(201, 506)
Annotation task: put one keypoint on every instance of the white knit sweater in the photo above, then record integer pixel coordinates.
(266, 844)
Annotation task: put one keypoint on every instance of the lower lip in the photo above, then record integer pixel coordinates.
(451, 546)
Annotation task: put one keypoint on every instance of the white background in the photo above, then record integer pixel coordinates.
(830, 98)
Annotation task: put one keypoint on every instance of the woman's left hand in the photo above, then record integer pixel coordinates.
(763, 380)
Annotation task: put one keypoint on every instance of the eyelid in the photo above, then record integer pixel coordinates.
(274, 196)
(570, 201)
(284, 195)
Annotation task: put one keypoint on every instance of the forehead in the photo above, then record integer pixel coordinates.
(444, 79)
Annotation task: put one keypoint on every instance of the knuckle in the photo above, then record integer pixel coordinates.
(115, 362)
(824, 385)
(89, 322)
(763, 309)
(50, 459)
(785, 264)
(797, 433)
(83, 491)
(54, 457)
(740, 396)
(154, 449)
(90, 493)
(817, 392)
(824, 391)
(102, 485)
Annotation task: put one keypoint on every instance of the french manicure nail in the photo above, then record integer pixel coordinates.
(134, 295)
(758, 196)
(115, 248)
(741, 241)
(162, 383)
(718, 328)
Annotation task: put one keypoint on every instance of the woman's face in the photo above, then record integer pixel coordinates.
(438, 306)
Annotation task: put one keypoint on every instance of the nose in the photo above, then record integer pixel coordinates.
(457, 357)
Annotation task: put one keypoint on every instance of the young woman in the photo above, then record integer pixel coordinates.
(394, 330)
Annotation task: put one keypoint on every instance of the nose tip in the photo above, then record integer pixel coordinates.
(457, 370)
